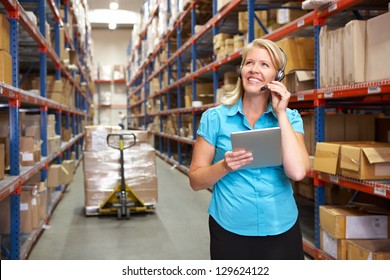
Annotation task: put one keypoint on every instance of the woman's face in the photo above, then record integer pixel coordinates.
(257, 70)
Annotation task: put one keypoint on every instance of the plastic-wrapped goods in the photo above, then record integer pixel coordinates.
(101, 167)
(313, 4)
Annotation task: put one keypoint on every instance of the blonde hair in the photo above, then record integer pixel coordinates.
(277, 58)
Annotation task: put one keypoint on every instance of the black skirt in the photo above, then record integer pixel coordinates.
(225, 245)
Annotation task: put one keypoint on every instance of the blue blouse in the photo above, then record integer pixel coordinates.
(254, 201)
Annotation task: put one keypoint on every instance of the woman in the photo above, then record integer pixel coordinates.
(253, 214)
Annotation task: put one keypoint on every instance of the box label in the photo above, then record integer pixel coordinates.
(369, 227)
(27, 156)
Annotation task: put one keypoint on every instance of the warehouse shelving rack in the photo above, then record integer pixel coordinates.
(19, 246)
(317, 99)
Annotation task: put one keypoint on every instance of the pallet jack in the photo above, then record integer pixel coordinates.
(123, 200)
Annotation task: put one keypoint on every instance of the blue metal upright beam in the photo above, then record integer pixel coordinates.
(43, 93)
(57, 40)
(215, 70)
(194, 58)
(161, 105)
(67, 127)
(58, 132)
(74, 132)
(14, 105)
(66, 17)
(319, 119)
(169, 93)
(251, 26)
(179, 88)
(43, 76)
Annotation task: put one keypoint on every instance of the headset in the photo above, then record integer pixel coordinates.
(280, 75)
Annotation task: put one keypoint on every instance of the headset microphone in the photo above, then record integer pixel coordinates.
(264, 88)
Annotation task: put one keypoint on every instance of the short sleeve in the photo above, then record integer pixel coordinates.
(296, 121)
(209, 126)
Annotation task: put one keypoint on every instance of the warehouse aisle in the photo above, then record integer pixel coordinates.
(177, 230)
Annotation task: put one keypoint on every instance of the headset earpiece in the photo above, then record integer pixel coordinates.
(239, 71)
(280, 75)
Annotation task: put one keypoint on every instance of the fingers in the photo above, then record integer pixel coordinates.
(237, 159)
(278, 89)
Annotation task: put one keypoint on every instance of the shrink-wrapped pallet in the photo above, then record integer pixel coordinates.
(101, 166)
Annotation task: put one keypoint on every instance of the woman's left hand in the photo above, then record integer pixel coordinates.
(280, 96)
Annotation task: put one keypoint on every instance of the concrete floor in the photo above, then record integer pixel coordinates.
(177, 230)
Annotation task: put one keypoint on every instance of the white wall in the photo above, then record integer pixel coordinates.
(110, 46)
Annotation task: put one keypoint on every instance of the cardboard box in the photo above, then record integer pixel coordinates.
(221, 4)
(57, 175)
(42, 201)
(29, 154)
(300, 53)
(243, 22)
(54, 144)
(354, 57)
(338, 56)
(69, 165)
(287, 15)
(327, 157)
(378, 48)
(337, 248)
(359, 159)
(26, 143)
(365, 161)
(33, 131)
(34, 207)
(368, 249)
(330, 61)
(300, 80)
(323, 38)
(5, 67)
(349, 223)
(4, 34)
(26, 213)
(66, 134)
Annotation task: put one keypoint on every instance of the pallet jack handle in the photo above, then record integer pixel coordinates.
(121, 148)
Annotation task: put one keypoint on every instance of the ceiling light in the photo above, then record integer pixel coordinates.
(117, 16)
(112, 25)
(114, 5)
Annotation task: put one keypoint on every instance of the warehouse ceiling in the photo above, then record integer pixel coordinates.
(125, 16)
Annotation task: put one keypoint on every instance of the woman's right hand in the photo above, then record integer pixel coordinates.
(237, 159)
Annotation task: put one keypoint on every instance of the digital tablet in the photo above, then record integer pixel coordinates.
(265, 145)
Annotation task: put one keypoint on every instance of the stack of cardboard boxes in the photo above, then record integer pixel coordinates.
(358, 160)
(360, 230)
(33, 209)
(349, 233)
(355, 53)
